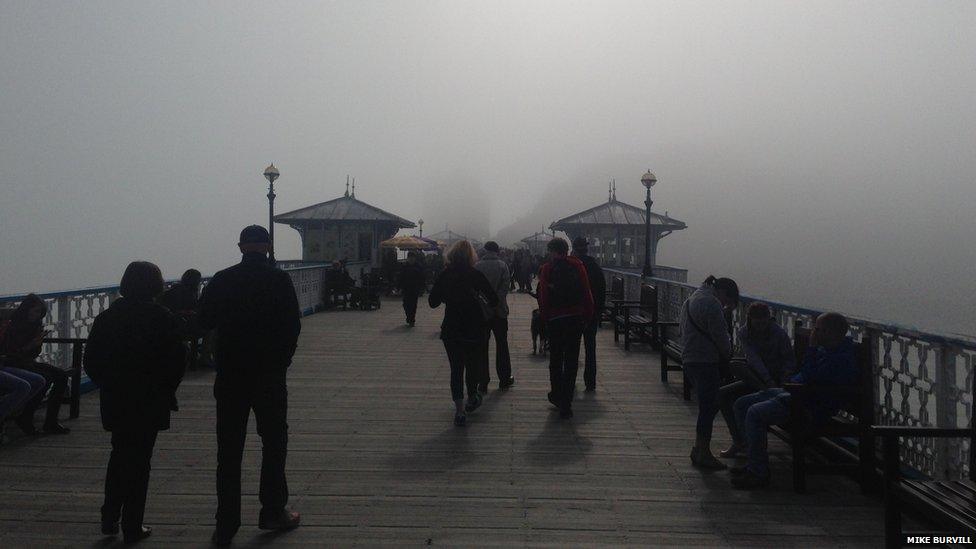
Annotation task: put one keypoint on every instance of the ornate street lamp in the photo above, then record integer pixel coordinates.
(271, 173)
(648, 180)
(421, 223)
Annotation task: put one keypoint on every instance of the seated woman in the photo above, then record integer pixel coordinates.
(21, 345)
(769, 361)
(831, 359)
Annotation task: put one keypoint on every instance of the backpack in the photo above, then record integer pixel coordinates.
(565, 286)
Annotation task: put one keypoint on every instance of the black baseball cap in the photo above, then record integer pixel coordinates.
(255, 234)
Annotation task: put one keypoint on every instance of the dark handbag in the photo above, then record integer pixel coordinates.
(487, 311)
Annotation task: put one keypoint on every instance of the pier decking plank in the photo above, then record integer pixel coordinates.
(374, 459)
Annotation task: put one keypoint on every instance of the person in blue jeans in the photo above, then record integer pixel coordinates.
(17, 387)
(831, 359)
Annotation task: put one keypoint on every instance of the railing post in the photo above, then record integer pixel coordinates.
(64, 330)
(946, 395)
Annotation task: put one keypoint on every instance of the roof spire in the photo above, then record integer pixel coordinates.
(613, 183)
(609, 191)
(347, 185)
(354, 187)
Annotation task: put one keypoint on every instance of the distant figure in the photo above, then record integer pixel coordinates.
(831, 359)
(255, 310)
(467, 295)
(337, 282)
(705, 351)
(598, 289)
(413, 283)
(183, 300)
(769, 361)
(20, 345)
(135, 356)
(498, 275)
(566, 306)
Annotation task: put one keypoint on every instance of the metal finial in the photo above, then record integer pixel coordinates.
(354, 187)
(347, 184)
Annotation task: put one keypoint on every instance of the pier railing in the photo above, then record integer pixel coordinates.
(923, 378)
(70, 313)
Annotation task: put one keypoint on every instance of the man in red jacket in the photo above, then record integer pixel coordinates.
(566, 305)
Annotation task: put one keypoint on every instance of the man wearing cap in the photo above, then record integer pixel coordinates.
(498, 275)
(598, 287)
(255, 311)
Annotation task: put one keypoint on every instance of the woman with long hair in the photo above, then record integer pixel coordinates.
(465, 292)
(20, 345)
(135, 356)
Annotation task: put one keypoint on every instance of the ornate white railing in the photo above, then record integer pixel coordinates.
(923, 379)
(70, 313)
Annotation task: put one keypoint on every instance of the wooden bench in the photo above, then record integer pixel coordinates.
(615, 293)
(671, 359)
(637, 319)
(854, 422)
(73, 398)
(948, 504)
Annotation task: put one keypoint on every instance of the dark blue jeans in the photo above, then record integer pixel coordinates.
(564, 347)
(706, 380)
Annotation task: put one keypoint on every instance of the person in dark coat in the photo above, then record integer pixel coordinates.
(21, 345)
(412, 285)
(598, 288)
(255, 310)
(460, 287)
(135, 357)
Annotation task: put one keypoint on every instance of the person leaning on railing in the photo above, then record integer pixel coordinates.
(20, 345)
(831, 359)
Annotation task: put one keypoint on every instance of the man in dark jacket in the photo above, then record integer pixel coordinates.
(255, 310)
(413, 282)
(598, 288)
(566, 306)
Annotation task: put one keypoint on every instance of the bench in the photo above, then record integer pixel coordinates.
(73, 398)
(615, 293)
(949, 504)
(671, 359)
(854, 422)
(637, 319)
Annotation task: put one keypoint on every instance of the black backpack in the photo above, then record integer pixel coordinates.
(565, 285)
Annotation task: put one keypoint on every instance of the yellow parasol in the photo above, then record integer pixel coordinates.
(405, 243)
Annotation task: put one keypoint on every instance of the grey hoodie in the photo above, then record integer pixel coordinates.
(714, 344)
(498, 275)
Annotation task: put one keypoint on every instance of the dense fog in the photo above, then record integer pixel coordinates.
(821, 153)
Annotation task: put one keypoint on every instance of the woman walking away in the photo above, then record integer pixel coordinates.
(467, 296)
(706, 349)
(135, 357)
(20, 343)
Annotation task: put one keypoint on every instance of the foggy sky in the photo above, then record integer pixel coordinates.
(823, 153)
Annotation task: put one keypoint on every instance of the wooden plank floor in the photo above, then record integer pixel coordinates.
(375, 460)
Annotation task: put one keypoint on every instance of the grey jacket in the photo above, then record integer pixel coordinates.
(498, 275)
(714, 345)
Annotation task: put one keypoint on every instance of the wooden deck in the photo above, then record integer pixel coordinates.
(375, 460)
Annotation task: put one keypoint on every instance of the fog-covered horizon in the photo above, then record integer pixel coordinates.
(823, 154)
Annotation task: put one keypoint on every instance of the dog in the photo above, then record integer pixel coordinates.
(540, 343)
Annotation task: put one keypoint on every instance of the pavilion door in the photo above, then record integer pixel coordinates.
(365, 247)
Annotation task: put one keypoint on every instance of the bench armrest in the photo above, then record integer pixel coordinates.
(934, 432)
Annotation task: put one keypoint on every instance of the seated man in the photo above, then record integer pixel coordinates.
(831, 359)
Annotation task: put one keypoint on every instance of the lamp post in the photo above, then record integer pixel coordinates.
(648, 180)
(421, 223)
(271, 173)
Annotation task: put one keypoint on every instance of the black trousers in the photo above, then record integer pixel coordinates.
(127, 478)
(589, 344)
(503, 359)
(410, 306)
(564, 347)
(57, 380)
(463, 356)
(237, 394)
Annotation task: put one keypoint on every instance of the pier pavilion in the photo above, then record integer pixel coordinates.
(343, 228)
(616, 232)
(536, 243)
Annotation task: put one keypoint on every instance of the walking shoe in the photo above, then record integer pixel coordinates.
(731, 451)
(705, 460)
(590, 388)
(749, 480)
(110, 527)
(473, 402)
(566, 412)
(56, 429)
(138, 535)
(460, 420)
(26, 425)
(506, 383)
(483, 389)
(222, 537)
(282, 520)
(552, 400)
